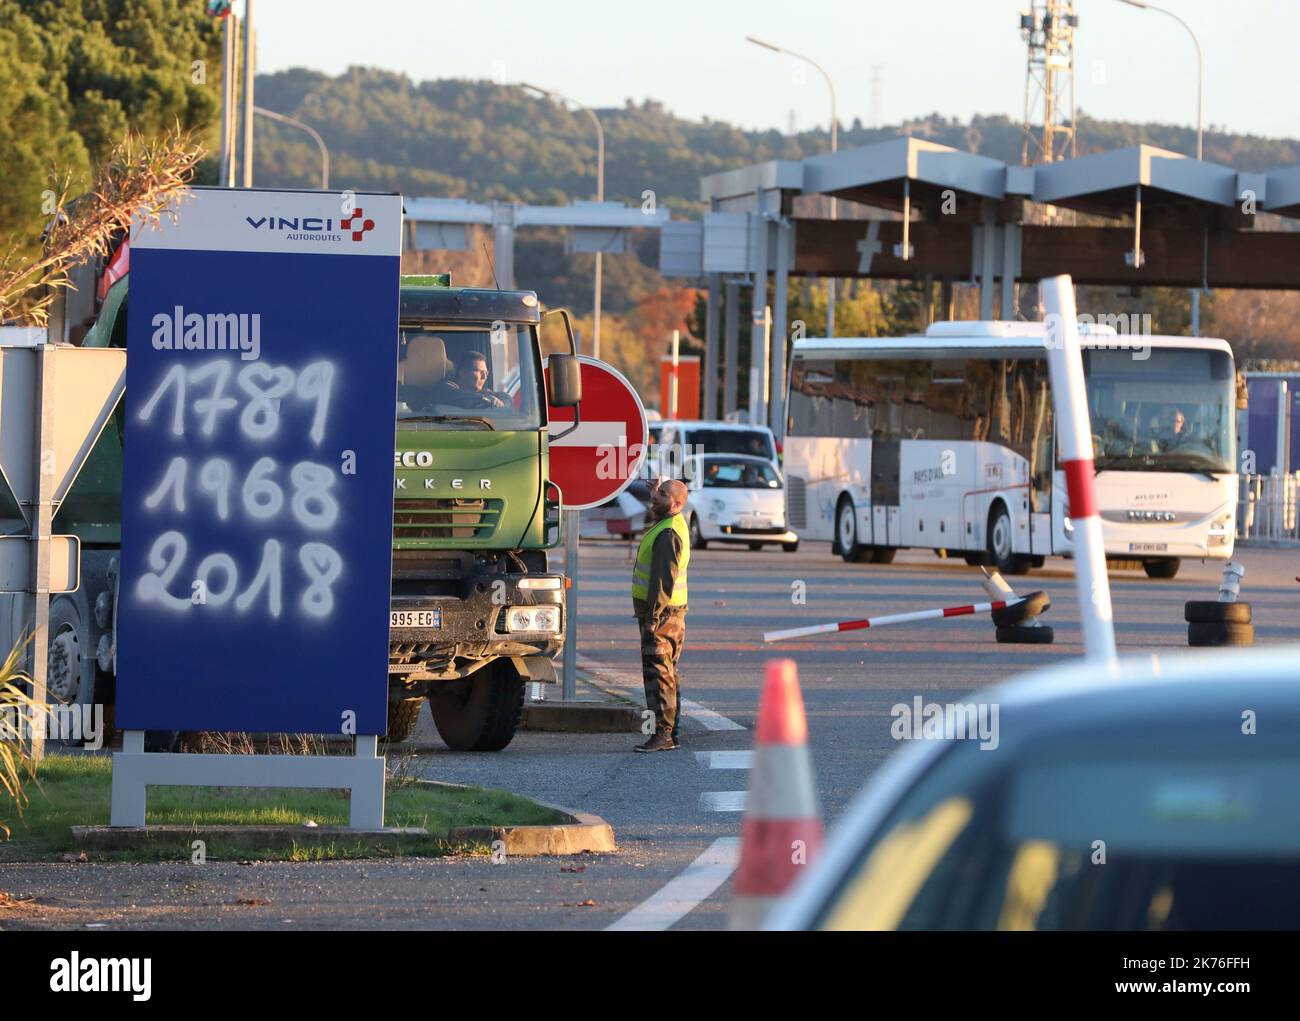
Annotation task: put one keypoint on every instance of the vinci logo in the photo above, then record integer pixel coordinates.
(314, 228)
(357, 224)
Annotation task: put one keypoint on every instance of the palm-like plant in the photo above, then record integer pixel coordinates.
(17, 708)
(140, 178)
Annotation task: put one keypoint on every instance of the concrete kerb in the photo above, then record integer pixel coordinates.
(612, 713)
(580, 832)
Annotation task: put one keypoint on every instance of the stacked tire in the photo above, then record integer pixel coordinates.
(1018, 624)
(1213, 623)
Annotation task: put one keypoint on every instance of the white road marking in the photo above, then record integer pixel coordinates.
(710, 719)
(723, 801)
(685, 891)
(726, 760)
(706, 717)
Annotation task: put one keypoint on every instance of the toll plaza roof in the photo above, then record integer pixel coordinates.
(1282, 191)
(1185, 191)
(874, 174)
(1105, 183)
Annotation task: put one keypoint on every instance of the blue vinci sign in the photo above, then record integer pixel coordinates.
(257, 487)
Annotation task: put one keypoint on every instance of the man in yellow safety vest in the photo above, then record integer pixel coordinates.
(659, 603)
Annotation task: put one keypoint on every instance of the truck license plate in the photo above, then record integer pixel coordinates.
(1148, 547)
(415, 618)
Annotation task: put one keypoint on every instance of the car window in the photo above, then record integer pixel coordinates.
(1157, 834)
(739, 475)
(754, 442)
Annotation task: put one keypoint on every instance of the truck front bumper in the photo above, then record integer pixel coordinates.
(446, 637)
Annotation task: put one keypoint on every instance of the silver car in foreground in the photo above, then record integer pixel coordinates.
(1165, 797)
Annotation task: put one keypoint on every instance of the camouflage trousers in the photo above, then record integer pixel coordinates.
(661, 647)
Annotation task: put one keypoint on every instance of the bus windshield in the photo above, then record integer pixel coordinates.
(468, 376)
(1172, 411)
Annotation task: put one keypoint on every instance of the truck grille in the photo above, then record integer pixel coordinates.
(796, 502)
(445, 519)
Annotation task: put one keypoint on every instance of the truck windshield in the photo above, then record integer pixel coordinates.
(1172, 411)
(468, 376)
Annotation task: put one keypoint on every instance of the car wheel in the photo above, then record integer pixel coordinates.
(846, 532)
(790, 547)
(697, 538)
(756, 546)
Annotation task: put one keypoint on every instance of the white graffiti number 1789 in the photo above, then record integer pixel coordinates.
(263, 387)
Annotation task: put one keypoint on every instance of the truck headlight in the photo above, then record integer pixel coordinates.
(545, 619)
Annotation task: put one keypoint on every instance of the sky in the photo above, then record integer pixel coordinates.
(953, 57)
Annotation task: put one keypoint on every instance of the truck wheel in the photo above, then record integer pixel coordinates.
(402, 718)
(70, 673)
(1164, 567)
(484, 713)
(883, 554)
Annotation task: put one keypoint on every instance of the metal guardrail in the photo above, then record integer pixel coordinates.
(1267, 508)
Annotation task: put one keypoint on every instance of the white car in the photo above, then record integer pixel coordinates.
(737, 498)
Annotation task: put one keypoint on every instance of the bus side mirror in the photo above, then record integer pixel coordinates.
(564, 381)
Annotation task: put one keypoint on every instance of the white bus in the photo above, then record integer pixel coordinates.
(945, 441)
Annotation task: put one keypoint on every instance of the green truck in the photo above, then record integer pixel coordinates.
(475, 613)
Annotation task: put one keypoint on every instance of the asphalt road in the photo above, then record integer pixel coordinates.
(674, 813)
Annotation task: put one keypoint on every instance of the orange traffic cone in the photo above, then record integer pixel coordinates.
(782, 831)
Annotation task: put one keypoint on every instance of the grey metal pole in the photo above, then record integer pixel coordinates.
(758, 320)
(42, 518)
(227, 94)
(731, 347)
(320, 142)
(711, 317)
(600, 197)
(835, 144)
(570, 687)
(779, 331)
(248, 93)
(1200, 124)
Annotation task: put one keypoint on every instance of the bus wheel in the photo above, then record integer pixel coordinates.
(883, 554)
(1000, 555)
(1165, 567)
(846, 531)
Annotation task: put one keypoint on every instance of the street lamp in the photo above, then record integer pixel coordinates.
(600, 197)
(1200, 122)
(830, 281)
(320, 142)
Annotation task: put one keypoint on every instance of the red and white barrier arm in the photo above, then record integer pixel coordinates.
(1074, 443)
(892, 618)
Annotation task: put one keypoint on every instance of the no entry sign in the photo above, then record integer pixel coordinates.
(257, 501)
(597, 461)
